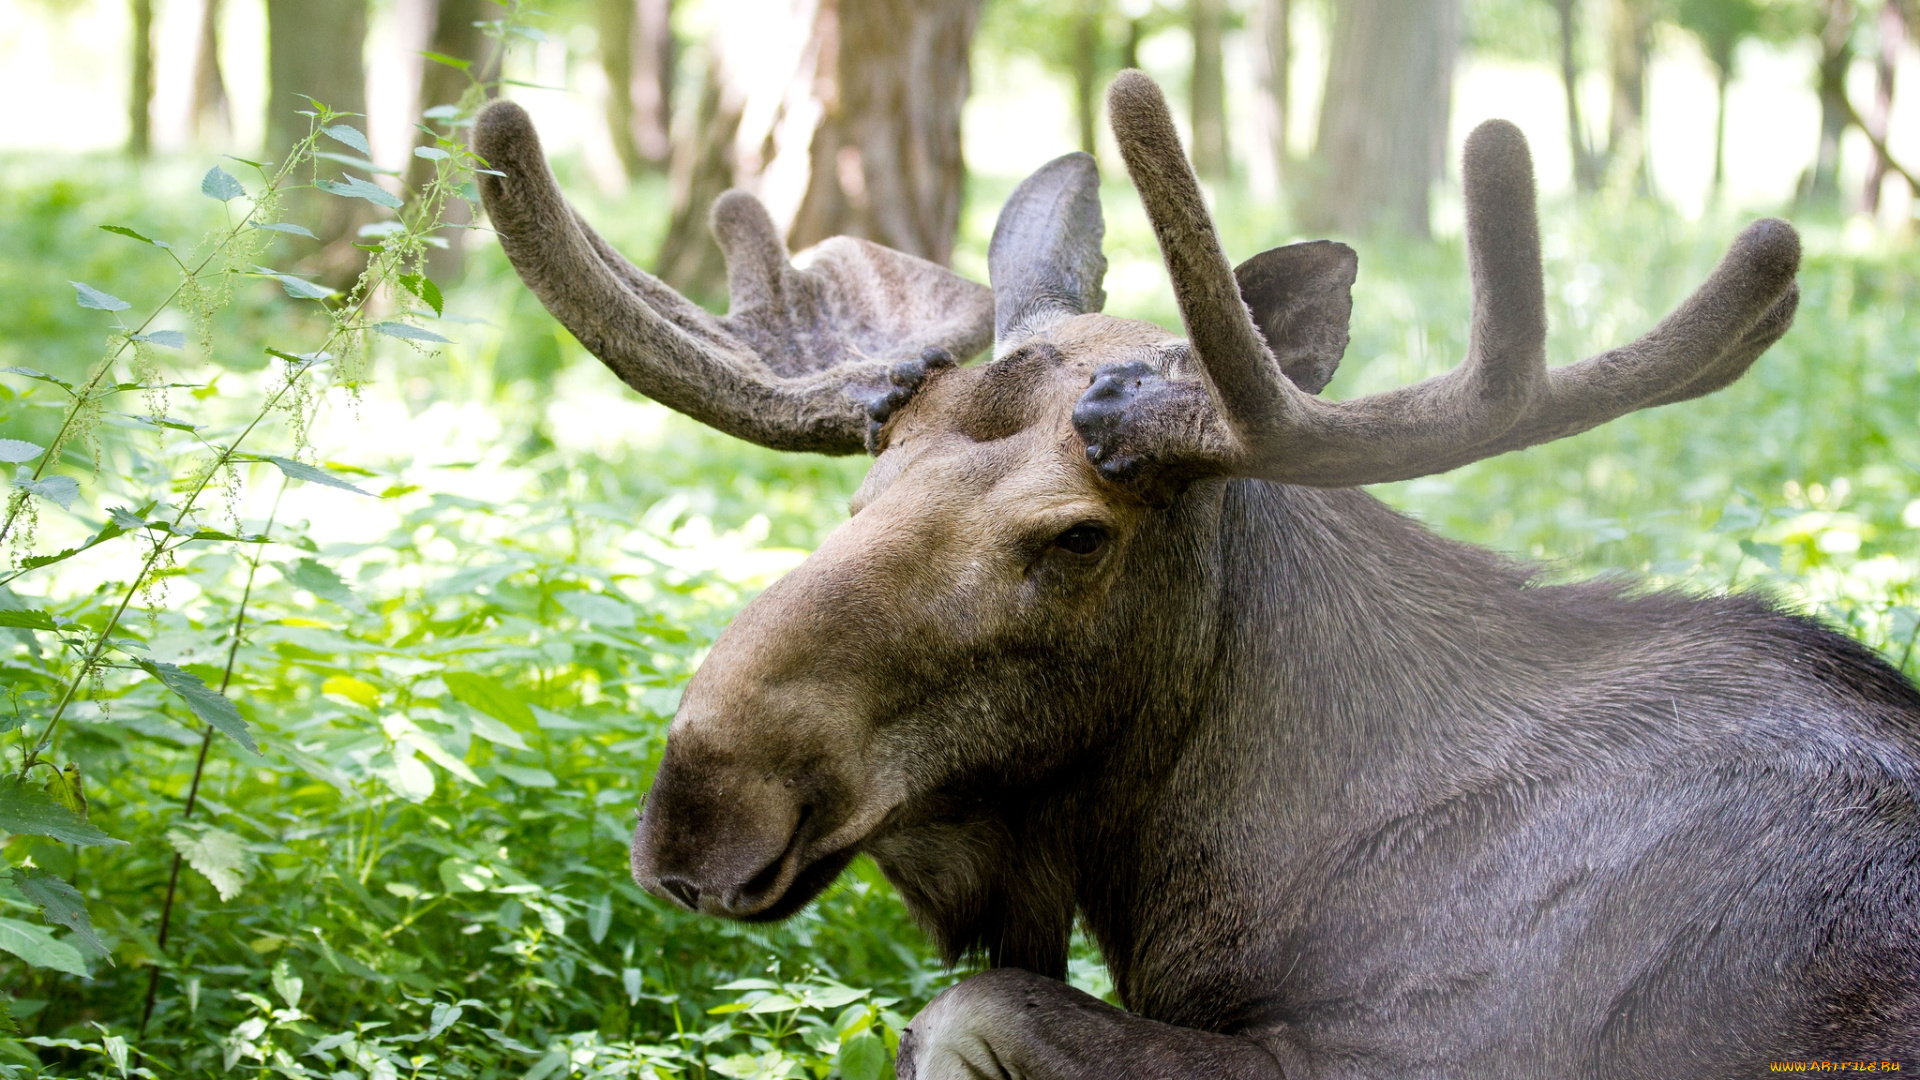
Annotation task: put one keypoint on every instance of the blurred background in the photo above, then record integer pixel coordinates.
(459, 649)
(1349, 112)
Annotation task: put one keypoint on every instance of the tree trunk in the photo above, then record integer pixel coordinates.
(1276, 55)
(208, 113)
(1629, 45)
(1822, 187)
(1586, 163)
(314, 50)
(1723, 74)
(1893, 35)
(140, 93)
(856, 133)
(1209, 89)
(453, 36)
(636, 52)
(1086, 68)
(1383, 120)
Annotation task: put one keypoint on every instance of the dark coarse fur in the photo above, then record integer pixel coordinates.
(1416, 816)
(1110, 636)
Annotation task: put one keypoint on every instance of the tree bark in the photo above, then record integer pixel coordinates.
(1087, 18)
(314, 50)
(1822, 186)
(1276, 42)
(208, 112)
(1383, 119)
(1209, 89)
(1586, 163)
(637, 54)
(454, 36)
(1629, 45)
(140, 93)
(1893, 35)
(857, 133)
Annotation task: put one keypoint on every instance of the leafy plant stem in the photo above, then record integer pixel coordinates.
(200, 763)
(303, 149)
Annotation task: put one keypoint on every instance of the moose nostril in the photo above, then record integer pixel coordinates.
(682, 891)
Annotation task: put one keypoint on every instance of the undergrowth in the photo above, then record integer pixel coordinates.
(342, 625)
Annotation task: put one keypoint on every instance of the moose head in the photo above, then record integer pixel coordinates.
(1031, 580)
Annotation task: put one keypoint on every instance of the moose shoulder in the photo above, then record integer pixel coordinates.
(1111, 635)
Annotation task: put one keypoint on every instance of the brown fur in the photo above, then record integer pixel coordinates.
(1336, 797)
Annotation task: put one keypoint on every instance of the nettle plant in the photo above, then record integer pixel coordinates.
(93, 654)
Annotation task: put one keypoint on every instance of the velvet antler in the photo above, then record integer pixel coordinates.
(1236, 413)
(802, 349)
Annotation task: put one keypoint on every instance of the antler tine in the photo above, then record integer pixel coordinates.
(1502, 397)
(789, 367)
(1286, 434)
(1245, 381)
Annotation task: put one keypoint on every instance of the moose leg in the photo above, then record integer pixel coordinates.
(1009, 1024)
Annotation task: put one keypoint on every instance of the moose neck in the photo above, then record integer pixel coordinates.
(1285, 640)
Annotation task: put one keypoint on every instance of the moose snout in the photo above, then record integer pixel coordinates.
(721, 838)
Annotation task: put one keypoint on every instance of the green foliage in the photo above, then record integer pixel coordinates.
(422, 872)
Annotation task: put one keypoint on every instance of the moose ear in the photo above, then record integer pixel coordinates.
(1301, 297)
(1045, 260)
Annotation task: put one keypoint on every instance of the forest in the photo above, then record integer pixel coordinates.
(346, 598)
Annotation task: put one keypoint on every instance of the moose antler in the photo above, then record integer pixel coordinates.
(792, 364)
(1245, 417)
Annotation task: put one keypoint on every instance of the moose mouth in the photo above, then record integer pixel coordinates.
(809, 882)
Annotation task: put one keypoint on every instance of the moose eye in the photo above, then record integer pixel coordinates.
(1083, 539)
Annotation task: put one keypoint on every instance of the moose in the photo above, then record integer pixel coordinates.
(1111, 634)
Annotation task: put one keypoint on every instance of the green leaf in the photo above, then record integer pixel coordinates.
(210, 705)
(59, 490)
(220, 856)
(431, 153)
(554, 1062)
(862, 1057)
(444, 1016)
(408, 332)
(423, 287)
(630, 982)
(29, 811)
(286, 983)
(298, 288)
(40, 376)
(91, 297)
(13, 450)
(301, 471)
(107, 532)
(442, 112)
(489, 696)
(27, 620)
(599, 916)
(526, 776)
(169, 339)
(320, 580)
(450, 61)
(289, 228)
(220, 184)
(348, 135)
(1767, 554)
(124, 231)
(60, 904)
(496, 732)
(38, 947)
(356, 188)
